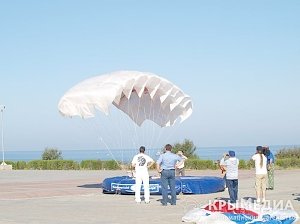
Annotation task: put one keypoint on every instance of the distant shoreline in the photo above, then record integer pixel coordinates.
(125, 155)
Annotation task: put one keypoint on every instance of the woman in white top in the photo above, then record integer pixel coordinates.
(261, 174)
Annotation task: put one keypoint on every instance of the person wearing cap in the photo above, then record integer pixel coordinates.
(260, 174)
(180, 170)
(166, 165)
(142, 162)
(232, 165)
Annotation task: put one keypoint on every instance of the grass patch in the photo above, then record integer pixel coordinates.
(288, 153)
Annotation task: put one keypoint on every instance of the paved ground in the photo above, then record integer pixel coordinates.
(73, 197)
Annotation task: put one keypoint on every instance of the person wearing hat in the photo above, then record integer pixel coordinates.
(232, 165)
(180, 170)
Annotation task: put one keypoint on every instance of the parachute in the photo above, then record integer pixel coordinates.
(140, 95)
(241, 213)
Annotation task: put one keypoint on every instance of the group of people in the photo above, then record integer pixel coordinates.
(168, 164)
(264, 171)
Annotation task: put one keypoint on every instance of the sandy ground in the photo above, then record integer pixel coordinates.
(35, 197)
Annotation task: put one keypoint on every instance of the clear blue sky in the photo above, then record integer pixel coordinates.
(238, 60)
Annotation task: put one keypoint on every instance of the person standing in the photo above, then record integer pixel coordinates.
(270, 167)
(142, 162)
(180, 170)
(261, 174)
(166, 165)
(232, 167)
(222, 167)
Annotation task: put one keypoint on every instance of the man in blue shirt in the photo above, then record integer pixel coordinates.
(270, 167)
(166, 165)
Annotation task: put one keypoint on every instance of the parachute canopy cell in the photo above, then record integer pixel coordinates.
(140, 95)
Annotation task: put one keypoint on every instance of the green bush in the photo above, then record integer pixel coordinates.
(195, 164)
(35, 165)
(52, 154)
(246, 164)
(288, 153)
(110, 165)
(20, 165)
(198, 164)
(91, 165)
(250, 164)
(243, 164)
(288, 163)
(52, 165)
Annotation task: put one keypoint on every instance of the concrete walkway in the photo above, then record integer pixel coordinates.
(71, 197)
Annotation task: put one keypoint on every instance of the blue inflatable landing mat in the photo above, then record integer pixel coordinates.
(185, 185)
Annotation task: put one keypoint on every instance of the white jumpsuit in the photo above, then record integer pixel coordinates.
(140, 161)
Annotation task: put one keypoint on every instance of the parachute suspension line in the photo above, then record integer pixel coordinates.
(124, 124)
(145, 134)
(112, 155)
(148, 130)
(101, 127)
(133, 125)
(128, 129)
(88, 125)
(137, 117)
(115, 129)
(152, 113)
(121, 139)
(121, 124)
(153, 125)
(161, 130)
(173, 130)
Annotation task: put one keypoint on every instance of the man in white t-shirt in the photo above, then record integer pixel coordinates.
(261, 174)
(232, 172)
(142, 162)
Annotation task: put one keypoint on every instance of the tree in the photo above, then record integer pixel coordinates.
(51, 154)
(187, 147)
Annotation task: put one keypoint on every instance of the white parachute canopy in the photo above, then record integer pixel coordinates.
(142, 96)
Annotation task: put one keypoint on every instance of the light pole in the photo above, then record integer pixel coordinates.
(2, 107)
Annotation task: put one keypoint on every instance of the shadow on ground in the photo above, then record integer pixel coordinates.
(91, 186)
(297, 196)
(222, 199)
(251, 199)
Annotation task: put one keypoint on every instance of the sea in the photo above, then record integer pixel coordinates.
(125, 155)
